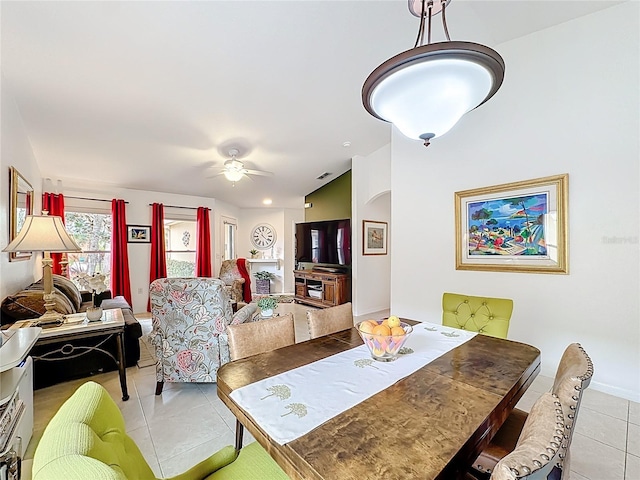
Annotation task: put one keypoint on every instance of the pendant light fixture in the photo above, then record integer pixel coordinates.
(426, 90)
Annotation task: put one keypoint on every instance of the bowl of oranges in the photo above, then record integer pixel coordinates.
(384, 338)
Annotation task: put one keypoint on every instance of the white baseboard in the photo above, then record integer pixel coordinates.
(627, 394)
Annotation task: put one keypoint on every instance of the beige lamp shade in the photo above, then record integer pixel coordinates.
(42, 233)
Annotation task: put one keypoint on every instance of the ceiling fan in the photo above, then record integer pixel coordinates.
(234, 169)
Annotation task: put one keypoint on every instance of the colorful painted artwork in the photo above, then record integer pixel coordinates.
(508, 226)
(514, 227)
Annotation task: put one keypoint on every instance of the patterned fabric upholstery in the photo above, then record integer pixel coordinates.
(188, 317)
(489, 316)
(231, 277)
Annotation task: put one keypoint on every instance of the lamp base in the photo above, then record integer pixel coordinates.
(51, 319)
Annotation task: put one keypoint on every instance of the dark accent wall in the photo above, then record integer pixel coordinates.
(330, 202)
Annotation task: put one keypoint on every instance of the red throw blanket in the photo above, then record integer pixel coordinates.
(242, 268)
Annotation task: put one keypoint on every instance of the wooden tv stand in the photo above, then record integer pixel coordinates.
(322, 289)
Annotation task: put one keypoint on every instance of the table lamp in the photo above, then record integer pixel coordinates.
(44, 233)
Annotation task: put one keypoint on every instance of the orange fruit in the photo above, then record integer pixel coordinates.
(382, 330)
(366, 327)
(385, 322)
(397, 331)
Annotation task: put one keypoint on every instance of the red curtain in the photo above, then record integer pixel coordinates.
(120, 283)
(158, 255)
(54, 204)
(203, 243)
(246, 286)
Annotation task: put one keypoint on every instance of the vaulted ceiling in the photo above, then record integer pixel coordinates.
(153, 95)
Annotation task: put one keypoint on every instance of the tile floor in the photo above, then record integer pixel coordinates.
(606, 444)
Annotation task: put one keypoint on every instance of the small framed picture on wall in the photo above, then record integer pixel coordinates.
(138, 234)
(374, 237)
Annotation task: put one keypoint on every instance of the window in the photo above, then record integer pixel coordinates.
(229, 238)
(92, 232)
(180, 247)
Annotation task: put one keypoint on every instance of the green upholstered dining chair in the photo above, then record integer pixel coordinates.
(539, 443)
(86, 439)
(489, 316)
(572, 378)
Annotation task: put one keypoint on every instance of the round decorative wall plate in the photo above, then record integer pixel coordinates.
(263, 236)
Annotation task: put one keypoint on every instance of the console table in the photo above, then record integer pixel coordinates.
(322, 289)
(76, 327)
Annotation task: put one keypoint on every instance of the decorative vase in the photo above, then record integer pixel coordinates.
(268, 312)
(94, 313)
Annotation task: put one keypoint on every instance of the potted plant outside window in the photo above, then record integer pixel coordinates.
(267, 305)
(263, 281)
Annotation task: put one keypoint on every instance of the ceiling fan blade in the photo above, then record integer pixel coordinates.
(258, 172)
(216, 175)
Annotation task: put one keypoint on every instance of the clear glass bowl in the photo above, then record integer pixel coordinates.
(385, 348)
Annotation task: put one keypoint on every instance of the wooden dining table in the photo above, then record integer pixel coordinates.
(430, 425)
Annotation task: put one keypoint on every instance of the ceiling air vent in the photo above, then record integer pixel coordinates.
(323, 175)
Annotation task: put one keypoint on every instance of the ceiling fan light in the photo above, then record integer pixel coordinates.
(233, 175)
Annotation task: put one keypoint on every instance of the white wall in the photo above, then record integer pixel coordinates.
(217, 236)
(371, 200)
(15, 151)
(569, 104)
(138, 212)
(249, 218)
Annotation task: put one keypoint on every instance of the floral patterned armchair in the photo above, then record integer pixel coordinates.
(189, 316)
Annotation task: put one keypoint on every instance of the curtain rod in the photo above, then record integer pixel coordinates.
(177, 206)
(92, 199)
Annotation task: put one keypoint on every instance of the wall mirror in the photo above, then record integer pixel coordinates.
(20, 205)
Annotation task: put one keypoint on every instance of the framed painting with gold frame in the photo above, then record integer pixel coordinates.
(20, 205)
(514, 227)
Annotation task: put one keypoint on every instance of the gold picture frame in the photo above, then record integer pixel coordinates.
(514, 227)
(20, 205)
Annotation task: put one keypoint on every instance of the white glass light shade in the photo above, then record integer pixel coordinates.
(42, 234)
(426, 90)
(427, 99)
(233, 175)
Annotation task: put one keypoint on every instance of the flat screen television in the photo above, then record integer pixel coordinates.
(324, 243)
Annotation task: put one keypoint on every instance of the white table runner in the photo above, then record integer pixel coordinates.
(293, 403)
